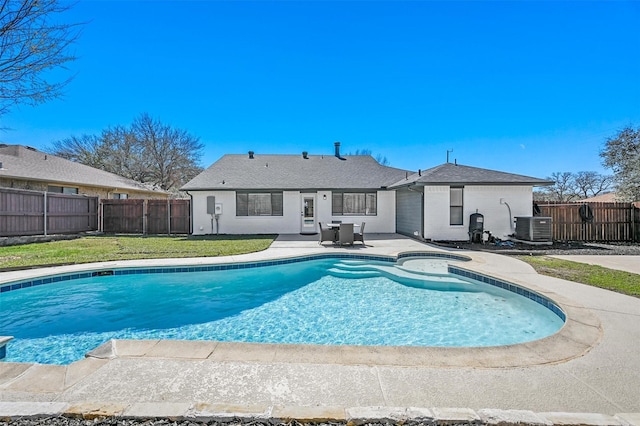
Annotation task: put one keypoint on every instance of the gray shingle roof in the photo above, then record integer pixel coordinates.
(293, 172)
(24, 163)
(448, 173)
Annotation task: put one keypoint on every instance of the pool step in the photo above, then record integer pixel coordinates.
(354, 262)
(421, 279)
(345, 273)
(421, 266)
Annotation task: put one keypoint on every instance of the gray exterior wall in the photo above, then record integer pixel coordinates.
(409, 211)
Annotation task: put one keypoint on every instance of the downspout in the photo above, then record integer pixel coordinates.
(502, 201)
(168, 216)
(634, 234)
(421, 232)
(190, 212)
(44, 225)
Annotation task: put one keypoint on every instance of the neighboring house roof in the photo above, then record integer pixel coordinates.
(25, 163)
(609, 197)
(294, 172)
(457, 174)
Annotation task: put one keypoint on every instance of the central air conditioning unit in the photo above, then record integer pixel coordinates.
(536, 228)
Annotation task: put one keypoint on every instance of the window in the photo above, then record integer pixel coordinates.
(354, 203)
(455, 206)
(119, 196)
(62, 189)
(258, 203)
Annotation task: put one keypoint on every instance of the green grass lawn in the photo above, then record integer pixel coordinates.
(109, 247)
(619, 281)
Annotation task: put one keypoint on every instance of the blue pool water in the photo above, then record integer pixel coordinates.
(329, 301)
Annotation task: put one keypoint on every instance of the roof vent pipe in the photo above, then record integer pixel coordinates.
(337, 145)
(419, 172)
(251, 155)
(305, 155)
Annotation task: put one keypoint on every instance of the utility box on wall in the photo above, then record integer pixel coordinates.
(211, 205)
(534, 228)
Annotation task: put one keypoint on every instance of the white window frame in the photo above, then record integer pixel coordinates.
(456, 205)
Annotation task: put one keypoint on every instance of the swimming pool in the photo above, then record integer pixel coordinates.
(336, 300)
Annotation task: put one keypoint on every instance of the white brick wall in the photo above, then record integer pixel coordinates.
(483, 198)
(290, 221)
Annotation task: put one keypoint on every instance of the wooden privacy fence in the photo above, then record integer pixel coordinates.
(610, 221)
(134, 216)
(24, 212)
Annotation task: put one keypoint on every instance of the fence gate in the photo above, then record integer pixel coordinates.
(123, 216)
(180, 216)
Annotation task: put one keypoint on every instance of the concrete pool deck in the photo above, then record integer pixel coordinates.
(588, 373)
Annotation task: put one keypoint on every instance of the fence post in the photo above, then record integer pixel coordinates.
(634, 231)
(145, 216)
(44, 225)
(168, 216)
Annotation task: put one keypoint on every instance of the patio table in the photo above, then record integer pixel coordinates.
(336, 229)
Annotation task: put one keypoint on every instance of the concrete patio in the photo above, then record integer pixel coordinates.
(587, 373)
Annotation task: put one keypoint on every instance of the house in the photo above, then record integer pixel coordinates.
(440, 201)
(23, 167)
(609, 197)
(289, 194)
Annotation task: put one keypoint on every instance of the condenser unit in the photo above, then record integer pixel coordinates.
(536, 228)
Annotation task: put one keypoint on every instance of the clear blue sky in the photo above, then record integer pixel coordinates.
(525, 87)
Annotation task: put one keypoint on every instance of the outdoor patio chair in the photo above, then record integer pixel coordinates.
(346, 234)
(326, 234)
(359, 236)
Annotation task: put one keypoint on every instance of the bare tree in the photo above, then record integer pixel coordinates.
(32, 41)
(85, 149)
(569, 186)
(125, 154)
(148, 151)
(562, 189)
(590, 184)
(379, 157)
(171, 154)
